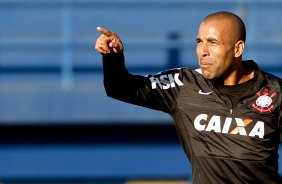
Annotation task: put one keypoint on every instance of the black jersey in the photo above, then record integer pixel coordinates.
(224, 143)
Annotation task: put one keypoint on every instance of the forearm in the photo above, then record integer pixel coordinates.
(114, 67)
(122, 85)
(116, 76)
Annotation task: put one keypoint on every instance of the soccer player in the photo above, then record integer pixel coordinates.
(227, 113)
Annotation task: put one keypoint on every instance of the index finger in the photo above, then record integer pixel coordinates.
(104, 31)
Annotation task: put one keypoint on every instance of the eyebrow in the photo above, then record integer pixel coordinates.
(209, 39)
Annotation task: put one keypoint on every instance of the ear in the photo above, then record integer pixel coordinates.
(239, 48)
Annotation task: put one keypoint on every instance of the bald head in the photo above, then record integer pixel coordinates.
(236, 23)
(220, 46)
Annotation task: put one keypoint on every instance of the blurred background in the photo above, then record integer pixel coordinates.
(56, 123)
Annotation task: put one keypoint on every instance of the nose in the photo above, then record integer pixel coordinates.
(203, 49)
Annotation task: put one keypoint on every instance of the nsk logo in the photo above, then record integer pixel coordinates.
(166, 81)
(201, 123)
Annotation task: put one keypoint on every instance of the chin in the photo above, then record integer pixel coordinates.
(208, 77)
(207, 74)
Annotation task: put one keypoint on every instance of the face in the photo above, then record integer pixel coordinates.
(216, 49)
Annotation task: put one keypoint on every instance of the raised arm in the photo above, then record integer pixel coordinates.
(130, 88)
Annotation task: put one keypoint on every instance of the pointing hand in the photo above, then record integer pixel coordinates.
(108, 41)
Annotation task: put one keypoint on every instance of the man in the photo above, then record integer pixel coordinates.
(227, 113)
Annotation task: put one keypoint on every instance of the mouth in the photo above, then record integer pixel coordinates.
(205, 64)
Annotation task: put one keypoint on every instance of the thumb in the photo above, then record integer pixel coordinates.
(116, 46)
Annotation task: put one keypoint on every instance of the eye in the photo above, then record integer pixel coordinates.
(213, 41)
(198, 40)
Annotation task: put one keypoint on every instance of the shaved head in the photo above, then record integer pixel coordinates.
(236, 23)
(220, 45)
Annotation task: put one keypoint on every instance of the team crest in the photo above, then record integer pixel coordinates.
(264, 102)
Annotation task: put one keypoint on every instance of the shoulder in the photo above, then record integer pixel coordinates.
(181, 71)
(180, 76)
(272, 78)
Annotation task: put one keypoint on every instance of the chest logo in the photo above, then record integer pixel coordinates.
(264, 102)
(229, 125)
(203, 93)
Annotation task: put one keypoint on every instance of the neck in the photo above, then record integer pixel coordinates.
(239, 75)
